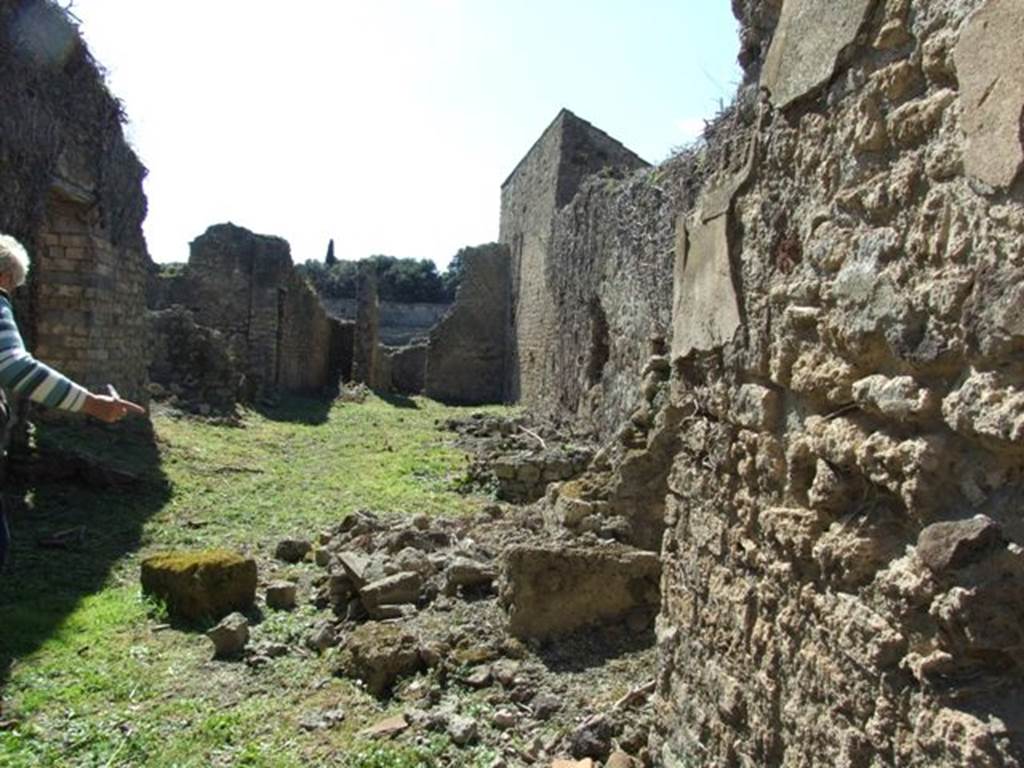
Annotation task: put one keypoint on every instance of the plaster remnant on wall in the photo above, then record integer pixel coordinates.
(705, 310)
(807, 43)
(990, 67)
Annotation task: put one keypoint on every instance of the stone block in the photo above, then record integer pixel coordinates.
(705, 308)
(552, 590)
(805, 49)
(952, 545)
(201, 585)
(988, 65)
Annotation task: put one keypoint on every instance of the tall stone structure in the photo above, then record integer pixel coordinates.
(543, 182)
(466, 353)
(71, 191)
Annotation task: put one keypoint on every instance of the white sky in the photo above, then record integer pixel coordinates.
(388, 125)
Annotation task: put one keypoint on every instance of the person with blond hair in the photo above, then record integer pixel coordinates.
(23, 376)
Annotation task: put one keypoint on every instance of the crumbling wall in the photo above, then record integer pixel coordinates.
(466, 352)
(243, 286)
(191, 363)
(71, 191)
(545, 181)
(366, 365)
(842, 567)
(304, 346)
(612, 248)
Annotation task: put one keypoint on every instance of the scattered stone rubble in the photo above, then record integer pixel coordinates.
(409, 607)
(519, 457)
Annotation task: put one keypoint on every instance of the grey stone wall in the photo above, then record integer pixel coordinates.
(466, 354)
(545, 180)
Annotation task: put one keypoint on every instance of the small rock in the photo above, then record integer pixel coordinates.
(355, 565)
(479, 677)
(504, 719)
(410, 559)
(281, 595)
(464, 573)
(322, 557)
(421, 522)
(505, 671)
(592, 738)
(400, 588)
(560, 763)
(386, 728)
(545, 705)
(292, 550)
(230, 636)
(318, 721)
(462, 730)
(952, 545)
(322, 637)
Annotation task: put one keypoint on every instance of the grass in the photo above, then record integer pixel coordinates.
(88, 672)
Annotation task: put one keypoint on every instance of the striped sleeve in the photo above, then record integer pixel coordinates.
(23, 375)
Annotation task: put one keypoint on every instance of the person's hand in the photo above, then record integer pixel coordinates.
(110, 409)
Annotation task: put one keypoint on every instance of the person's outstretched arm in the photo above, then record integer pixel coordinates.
(23, 375)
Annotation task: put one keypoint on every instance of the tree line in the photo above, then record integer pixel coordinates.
(403, 280)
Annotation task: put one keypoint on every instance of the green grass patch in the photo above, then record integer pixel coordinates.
(86, 670)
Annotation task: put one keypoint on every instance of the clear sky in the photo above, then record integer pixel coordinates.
(388, 125)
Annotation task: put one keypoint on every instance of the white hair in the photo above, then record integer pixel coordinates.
(13, 259)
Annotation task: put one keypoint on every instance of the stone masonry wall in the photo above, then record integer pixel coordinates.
(88, 302)
(843, 562)
(304, 339)
(466, 352)
(614, 246)
(545, 180)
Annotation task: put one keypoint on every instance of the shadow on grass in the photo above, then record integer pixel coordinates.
(397, 400)
(298, 409)
(77, 504)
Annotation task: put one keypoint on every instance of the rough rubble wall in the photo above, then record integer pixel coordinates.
(545, 180)
(244, 286)
(854, 400)
(304, 346)
(614, 246)
(466, 351)
(366, 365)
(71, 191)
(236, 277)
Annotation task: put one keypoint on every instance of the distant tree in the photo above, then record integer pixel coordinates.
(331, 259)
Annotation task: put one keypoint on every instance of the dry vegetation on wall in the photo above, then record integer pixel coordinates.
(59, 120)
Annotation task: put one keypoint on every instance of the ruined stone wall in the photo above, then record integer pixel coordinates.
(71, 191)
(843, 567)
(614, 247)
(304, 340)
(88, 302)
(239, 282)
(366, 366)
(545, 180)
(466, 353)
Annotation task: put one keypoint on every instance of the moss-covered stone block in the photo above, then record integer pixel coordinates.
(207, 584)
